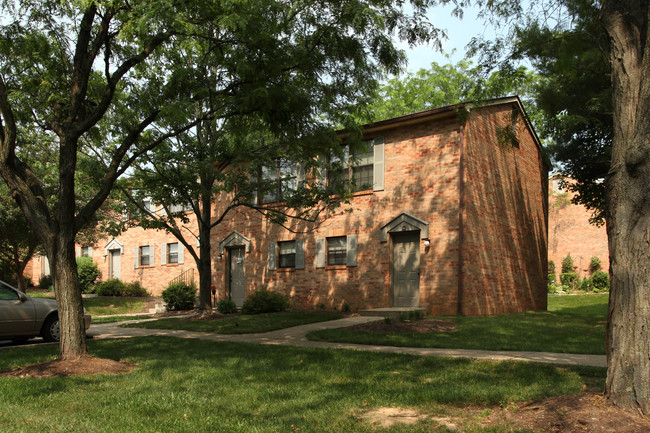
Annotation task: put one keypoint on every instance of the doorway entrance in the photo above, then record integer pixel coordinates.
(236, 275)
(114, 264)
(405, 269)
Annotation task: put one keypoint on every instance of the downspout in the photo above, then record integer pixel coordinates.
(461, 209)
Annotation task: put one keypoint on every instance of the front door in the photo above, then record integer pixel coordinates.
(115, 264)
(236, 275)
(406, 269)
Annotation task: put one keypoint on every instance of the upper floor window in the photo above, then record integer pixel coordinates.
(86, 251)
(363, 167)
(148, 205)
(279, 180)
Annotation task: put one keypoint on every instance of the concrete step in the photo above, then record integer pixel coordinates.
(392, 312)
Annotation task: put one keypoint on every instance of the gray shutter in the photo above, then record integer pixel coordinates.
(320, 253)
(351, 255)
(152, 256)
(181, 253)
(378, 169)
(90, 251)
(163, 254)
(136, 254)
(78, 251)
(272, 255)
(300, 254)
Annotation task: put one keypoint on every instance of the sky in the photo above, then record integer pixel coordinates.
(459, 34)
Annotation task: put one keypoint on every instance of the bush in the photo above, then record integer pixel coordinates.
(88, 272)
(586, 285)
(263, 301)
(570, 280)
(45, 282)
(117, 287)
(179, 296)
(226, 306)
(594, 265)
(567, 265)
(600, 281)
(552, 277)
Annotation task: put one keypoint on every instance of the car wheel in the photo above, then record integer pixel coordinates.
(51, 330)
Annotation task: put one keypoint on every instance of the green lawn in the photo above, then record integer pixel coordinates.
(103, 306)
(573, 324)
(198, 386)
(245, 324)
(97, 320)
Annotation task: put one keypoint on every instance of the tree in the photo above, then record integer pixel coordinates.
(100, 79)
(245, 149)
(627, 196)
(445, 85)
(18, 243)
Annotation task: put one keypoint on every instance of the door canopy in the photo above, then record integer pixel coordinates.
(405, 223)
(235, 239)
(114, 244)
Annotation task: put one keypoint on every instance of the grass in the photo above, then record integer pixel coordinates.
(573, 324)
(244, 324)
(197, 386)
(102, 306)
(97, 320)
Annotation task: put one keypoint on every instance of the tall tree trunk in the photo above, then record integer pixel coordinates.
(628, 207)
(68, 297)
(205, 256)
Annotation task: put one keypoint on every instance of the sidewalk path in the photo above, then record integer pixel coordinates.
(296, 336)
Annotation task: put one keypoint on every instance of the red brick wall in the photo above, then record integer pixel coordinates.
(421, 179)
(505, 221)
(571, 233)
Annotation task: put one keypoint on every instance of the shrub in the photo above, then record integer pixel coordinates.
(179, 296)
(45, 282)
(567, 265)
(552, 277)
(570, 280)
(88, 272)
(115, 287)
(594, 265)
(226, 306)
(411, 316)
(586, 285)
(263, 301)
(600, 281)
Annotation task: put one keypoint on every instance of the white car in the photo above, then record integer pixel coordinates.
(23, 317)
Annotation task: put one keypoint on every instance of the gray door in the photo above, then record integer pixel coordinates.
(406, 269)
(236, 275)
(115, 263)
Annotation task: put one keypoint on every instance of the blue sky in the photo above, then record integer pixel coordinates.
(459, 34)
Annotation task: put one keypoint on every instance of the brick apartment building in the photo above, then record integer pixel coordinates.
(571, 233)
(453, 219)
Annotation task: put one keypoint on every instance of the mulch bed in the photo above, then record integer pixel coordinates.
(84, 365)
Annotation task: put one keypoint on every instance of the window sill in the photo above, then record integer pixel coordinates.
(285, 269)
(171, 264)
(336, 268)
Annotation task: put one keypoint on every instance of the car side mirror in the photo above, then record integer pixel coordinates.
(23, 297)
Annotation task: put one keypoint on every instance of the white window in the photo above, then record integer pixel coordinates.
(337, 251)
(287, 254)
(279, 180)
(363, 168)
(148, 205)
(86, 251)
(144, 255)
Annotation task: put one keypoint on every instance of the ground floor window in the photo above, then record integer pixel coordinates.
(287, 254)
(144, 255)
(337, 251)
(172, 253)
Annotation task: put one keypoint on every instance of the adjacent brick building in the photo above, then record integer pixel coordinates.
(452, 218)
(571, 233)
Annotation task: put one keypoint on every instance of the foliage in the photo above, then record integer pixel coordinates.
(45, 282)
(179, 296)
(88, 272)
(226, 306)
(570, 280)
(594, 265)
(552, 277)
(116, 287)
(411, 316)
(600, 281)
(442, 85)
(264, 301)
(567, 264)
(586, 285)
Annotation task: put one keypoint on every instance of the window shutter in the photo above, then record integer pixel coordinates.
(181, 253)
(300, 254)
(272, 256)
(351, 255)
(320, 253)
(136, 257)
(151, 256)
(378, 169)
(163, 254)
(78, 251)
(90, 252)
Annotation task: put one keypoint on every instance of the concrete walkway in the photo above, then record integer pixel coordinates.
(296, 336)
